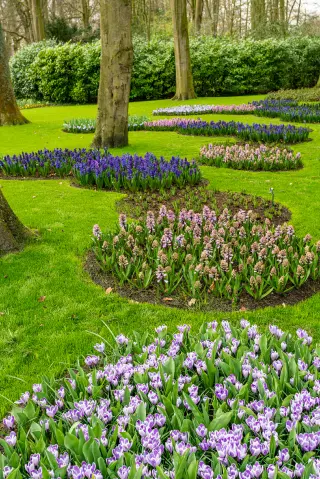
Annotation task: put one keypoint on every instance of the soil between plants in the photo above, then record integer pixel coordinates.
(151, 295)
(136, 206)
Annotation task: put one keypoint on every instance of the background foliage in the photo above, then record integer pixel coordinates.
(69, 73)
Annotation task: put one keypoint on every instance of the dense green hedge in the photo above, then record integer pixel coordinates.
(69, 73)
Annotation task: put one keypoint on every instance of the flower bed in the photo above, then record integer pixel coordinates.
(200, 255)
(248, 157)
(229, 402)
(103, 170)
(136, 205)
(256, 132)
(88, 125)
(288, 110)
(205, 109)
(79, 125)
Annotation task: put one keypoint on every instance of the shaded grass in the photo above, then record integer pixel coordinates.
(44, 337)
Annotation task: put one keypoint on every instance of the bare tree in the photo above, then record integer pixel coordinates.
(198, 15)
(184, 79)
(115, 74)
(38, 10)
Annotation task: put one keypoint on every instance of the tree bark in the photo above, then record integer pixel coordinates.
(38, 20)
(12, 232)
(9, 111)
(85, 13)
(184, 79)
(198, 16)
(115, 74)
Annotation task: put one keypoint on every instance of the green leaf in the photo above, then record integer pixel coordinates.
(220, 422)
(71, 442)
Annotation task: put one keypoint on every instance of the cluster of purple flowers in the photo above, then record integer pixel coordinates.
(213, 406)
(206, 254)
(247, 157)
(256, 132)
(288, 110)
(205, 109)
(103, 170)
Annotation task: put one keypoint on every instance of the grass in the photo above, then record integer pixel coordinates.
(49, 306)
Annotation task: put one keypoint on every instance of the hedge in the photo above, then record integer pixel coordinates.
(69, 73)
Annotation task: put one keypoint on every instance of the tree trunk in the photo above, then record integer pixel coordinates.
(115, 74)
(9, 111)
(38, 20)
(283, 24)
(215, 16)
(184, 80)
(12, 232)
(198, 16)
(85, 13)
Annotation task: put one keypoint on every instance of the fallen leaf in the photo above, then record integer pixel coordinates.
(167, 299)
(41, 299)
(192, 302)
(34, 197)
(108, 290)
(2, 313)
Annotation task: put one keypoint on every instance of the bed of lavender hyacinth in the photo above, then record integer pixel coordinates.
(248, 157)
(103, 170)
(288, 110)
(205, 109)
(256, 132)
(202, 254)
(226, 403)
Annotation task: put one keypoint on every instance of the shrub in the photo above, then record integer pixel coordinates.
(302, 94)
(255, 132)
(201, 254)
(88, 125)
(21, 66)
(248, 157)
(102, 170)
(227, 402)
(220, 67)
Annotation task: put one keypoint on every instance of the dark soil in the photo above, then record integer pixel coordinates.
(152, 296)
(135, 205)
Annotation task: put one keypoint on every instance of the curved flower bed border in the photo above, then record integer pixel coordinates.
(202, 255)
(243, 109)
(88, 125)
(103, 170)
(247, 157)
(227, 403)
(256, 132)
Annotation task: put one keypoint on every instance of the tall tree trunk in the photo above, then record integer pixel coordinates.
(215, 16)
(9, 111)
(283, 25)
(85, 13)
(198, 16)
(184, 79)
(115, 74)
(12, 232)
(38, 20)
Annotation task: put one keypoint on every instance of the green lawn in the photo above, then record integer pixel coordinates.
(44, 337)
